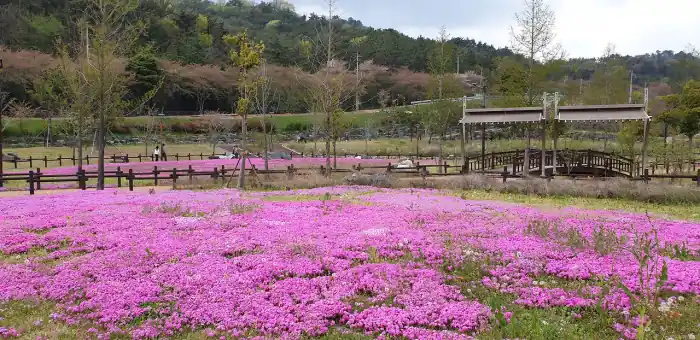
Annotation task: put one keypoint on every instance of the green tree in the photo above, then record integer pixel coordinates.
(683, 111)
(146, 74)
(245, 55)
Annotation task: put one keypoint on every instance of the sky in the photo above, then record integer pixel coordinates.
(583, 27)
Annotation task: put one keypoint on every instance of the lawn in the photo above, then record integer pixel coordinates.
(52, 153)
(340, 263)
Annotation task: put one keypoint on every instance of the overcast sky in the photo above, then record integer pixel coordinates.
(583, 28)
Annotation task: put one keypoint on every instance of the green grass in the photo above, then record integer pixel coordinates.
(36, 126)
(52, 153)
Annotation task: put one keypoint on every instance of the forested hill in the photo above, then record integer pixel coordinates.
(186, 35)
(173, 31)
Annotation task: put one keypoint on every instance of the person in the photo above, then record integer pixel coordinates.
(163, 155)
(156, 153)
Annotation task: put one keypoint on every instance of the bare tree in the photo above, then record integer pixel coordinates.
(263, 98)
(216, 125)
(535, 37)
(330, 83)
(202, 94)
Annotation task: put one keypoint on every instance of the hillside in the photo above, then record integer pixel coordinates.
(196, 80)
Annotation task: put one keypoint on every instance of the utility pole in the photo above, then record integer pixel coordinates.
(630, 92)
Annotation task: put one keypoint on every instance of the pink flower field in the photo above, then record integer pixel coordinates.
(341, 263)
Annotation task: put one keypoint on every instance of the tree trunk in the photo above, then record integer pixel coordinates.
(244, 150)
(328, 144)
(265, 145)
(335, 156)
(440, 155)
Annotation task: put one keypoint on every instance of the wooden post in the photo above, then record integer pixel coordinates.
(131, 179)
(697, 178)
(73, 159)
(201, 156)
(31, 165)
(446, 166)
(189, 157)
(215, 175)
(505, 173)
(87, 160)
(38, 179)
(646, 176)
(46, 162)
(177, 157)
(155, 175)
(31, 182)
(82, 179)
(174, 176)
(119, 177)
(515, 164)
(60, 160)
(189, 172)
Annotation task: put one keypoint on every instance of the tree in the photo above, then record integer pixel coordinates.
(96, 87)
(683, 111)
(48, 92)
(245, 55)
(263, 97)
(145, 73)
(216, 125)
(444, 86)
(534, 38)
(329, 84)
(609, 85)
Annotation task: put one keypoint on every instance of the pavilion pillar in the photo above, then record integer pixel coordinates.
(544, 134)
(646, 131)
(483, 146)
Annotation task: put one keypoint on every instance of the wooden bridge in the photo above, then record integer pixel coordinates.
(572, 162)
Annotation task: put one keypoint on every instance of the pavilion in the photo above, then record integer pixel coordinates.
(577, 113)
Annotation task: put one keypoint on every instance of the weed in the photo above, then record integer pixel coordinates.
(606, 241)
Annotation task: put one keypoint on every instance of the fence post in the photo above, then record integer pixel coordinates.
(131, 179)
(215, 175)
(515, 164)
(38, 178)
(81, 179)
(174, 175)
(177, 157)
(139, 158)
(505, 173)
(697, 178)
(31, 182)
(87, 160)
(155, 175)
(60, 160)
(14, 160)
(189, 172)
(126, 159)
(201, 156)
(646, 176)
(31, 165)
(119, 177)
(73, 159)
(446, 167)
(189, 157)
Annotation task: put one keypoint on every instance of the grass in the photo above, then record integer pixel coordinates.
(405, 146)
(292, 122)
(131, 150)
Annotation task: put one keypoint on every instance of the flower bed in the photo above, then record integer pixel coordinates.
(304, 263)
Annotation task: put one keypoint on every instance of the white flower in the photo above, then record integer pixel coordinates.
(544, 322)
(691, 336)
(681, 299)
(469, 290)
(664, 308)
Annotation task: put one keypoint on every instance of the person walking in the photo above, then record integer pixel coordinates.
(156, 153)
(163, 155)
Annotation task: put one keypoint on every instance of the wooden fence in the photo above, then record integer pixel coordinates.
(35, 179)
